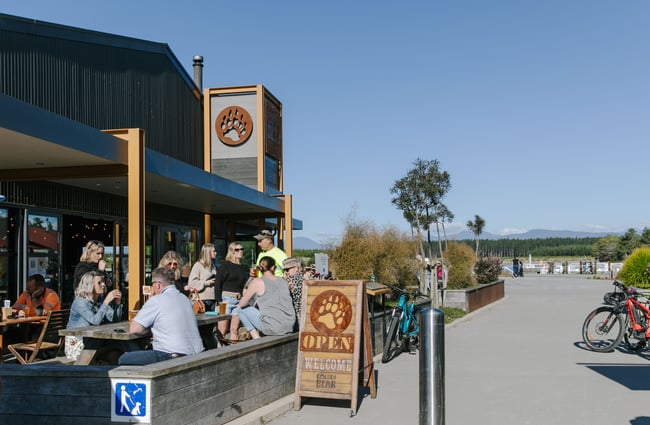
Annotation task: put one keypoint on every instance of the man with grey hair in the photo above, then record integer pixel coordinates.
(169, 315)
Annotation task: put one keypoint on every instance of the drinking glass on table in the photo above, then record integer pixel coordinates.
(146, 291)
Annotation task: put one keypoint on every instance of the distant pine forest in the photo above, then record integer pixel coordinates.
(508, 248)
(608, 248)
(547, 247)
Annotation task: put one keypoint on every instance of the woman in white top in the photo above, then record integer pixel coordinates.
(203, 274)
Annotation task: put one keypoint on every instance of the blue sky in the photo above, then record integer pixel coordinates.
(537, 109)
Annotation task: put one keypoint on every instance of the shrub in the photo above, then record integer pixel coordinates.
(487, 269)
(364, 250)
(633, 272)
(460, 258)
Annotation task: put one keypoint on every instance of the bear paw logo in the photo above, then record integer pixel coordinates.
(331, 312)
(234, 125)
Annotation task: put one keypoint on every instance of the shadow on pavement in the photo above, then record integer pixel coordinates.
(632, 376)
(622, 348)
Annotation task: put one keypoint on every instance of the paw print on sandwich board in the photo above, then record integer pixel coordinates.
(331, 312)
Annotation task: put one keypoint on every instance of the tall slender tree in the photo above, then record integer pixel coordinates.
(419, 195)
(476, 227)
(442, 216)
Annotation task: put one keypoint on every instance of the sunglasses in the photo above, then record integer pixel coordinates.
(238, 249)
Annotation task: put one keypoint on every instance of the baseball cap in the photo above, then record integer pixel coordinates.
(264, 234)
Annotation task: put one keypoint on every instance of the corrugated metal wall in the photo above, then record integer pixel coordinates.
(105, 87)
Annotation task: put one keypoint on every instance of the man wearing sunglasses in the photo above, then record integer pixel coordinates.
(171, 319)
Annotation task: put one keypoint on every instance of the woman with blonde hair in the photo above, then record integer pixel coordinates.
(87, 309)
(231, 279)
(203, 275)
(91, 260)
(172, 260)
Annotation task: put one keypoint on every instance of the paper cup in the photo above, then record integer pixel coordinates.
(6, 312)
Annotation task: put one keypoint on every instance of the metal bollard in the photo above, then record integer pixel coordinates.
(432, 367)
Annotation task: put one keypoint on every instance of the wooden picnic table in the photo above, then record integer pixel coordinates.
(120, 332)
(14, 323)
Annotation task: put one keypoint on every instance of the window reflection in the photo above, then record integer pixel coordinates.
(43, 254)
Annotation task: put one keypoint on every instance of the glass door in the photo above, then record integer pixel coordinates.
(7, 240)
(186, 241)
(43, 247)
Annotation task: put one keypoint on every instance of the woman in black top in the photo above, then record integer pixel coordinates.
(92, 260)
(231, 279)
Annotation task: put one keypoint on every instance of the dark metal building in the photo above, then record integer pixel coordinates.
(67, 98)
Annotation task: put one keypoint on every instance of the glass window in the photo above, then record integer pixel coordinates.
(272, 175)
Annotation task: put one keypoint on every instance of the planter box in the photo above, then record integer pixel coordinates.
(471, 299)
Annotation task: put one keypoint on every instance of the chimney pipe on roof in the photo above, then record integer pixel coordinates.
(198, 72)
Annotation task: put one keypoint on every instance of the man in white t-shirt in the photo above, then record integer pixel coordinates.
(169, 315)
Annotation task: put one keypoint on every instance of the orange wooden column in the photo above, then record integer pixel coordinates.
(134, 138)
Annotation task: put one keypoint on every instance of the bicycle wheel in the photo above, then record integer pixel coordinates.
(603, 329)
(393, 343)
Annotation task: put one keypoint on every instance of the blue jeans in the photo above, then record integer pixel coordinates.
(232, 303)
(249, 316)
(143, 357)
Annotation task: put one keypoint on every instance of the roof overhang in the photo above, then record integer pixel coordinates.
(36, 144)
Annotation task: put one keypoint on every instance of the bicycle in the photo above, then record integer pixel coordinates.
(626, 318)
(403, 327)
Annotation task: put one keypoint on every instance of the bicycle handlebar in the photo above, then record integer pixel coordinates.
(629, 290)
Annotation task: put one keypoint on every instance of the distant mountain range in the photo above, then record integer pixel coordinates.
(307, 243)
(302, 242)
(532, 234)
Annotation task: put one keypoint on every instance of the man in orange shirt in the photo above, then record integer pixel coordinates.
(37, 298)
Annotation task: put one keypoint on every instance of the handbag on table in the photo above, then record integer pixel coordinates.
(197, 305)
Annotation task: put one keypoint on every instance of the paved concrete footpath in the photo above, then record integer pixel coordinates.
(518, 361)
